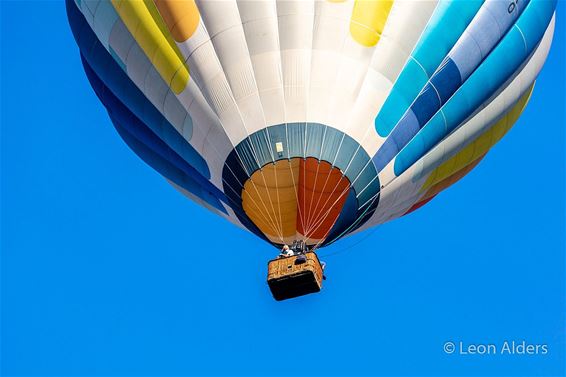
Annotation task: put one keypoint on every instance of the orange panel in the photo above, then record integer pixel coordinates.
(181, 17)
(269, 199)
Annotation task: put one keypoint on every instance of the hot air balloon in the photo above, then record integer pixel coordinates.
(307, 121)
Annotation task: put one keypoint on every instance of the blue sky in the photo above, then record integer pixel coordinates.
(107, 270)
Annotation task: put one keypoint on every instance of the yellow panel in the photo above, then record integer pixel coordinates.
(480, 146)
(159, 21)
(161, 51)
(449, 181)
(181, 16)
(368, 20)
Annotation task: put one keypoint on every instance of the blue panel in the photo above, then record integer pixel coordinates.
(424, 107)
(262, 147)
(366, 183)
(345, 156)
(332, 141)
(450, 75)
(446, 81)
(486, 30)
(346, 217)
(279, 135)
(406, 129)
(314, 135)
(296, 136)
(234, 177)
(534, 24)
(385, 154)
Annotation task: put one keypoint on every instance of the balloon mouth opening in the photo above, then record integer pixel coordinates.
(295, 199)
(287, 184)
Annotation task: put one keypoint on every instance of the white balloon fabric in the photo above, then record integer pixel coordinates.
(312, 120)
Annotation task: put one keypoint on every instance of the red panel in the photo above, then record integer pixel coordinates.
(419, 205)
(322, 193)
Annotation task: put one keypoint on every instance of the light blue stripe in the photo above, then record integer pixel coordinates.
(486, 30)
(501, 64)
(104, 21)
(445, 27)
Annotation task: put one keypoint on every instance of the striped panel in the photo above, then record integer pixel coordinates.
(147, 29)
(152, 140)
(476, 43)
(480, 146)
(202, 127)
(155, 152)
(405, 24)
(445, 27)
(497, 68)
(116, 38)
(451, 179)
(402, 192)
(128, 93)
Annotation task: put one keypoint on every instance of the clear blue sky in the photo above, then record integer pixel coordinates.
(107, 270)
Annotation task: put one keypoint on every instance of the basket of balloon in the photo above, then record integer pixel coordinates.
(294, 276)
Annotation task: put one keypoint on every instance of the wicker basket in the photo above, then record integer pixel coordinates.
(287, 278)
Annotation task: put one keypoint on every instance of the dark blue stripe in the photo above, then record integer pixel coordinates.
(113, 76)
(151, 149)
(447, 80)
(426, 104)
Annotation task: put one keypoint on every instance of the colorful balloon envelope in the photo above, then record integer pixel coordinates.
(312, 120)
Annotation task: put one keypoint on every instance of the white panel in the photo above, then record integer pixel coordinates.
(209, 76)
(262, 36)
(223, 22)
(331, 30)
(295, 24)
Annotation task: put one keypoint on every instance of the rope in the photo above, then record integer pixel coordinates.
(339, 251)
(321, 220)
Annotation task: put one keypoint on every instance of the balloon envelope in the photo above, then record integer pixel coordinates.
(312, 120)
